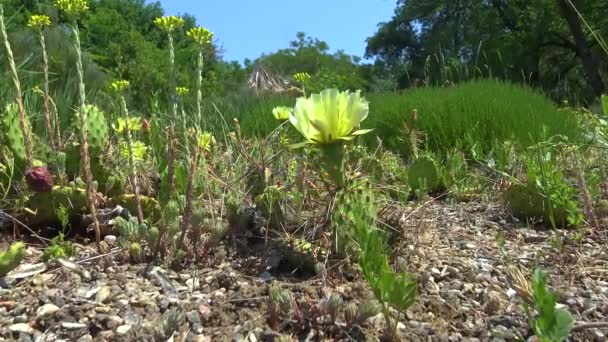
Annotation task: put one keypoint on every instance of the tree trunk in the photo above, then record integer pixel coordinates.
(583, 50)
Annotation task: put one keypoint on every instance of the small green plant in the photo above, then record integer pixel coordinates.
(546, 193)
(392, 289)
(59, 248)
(11, 258)
(120, 87)
(550, 324)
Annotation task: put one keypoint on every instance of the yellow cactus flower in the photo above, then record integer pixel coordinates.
(205, 140)
(301, 77)
(281, 113)
(132, 124)
(182, 91)
(119, 86)
(200, 35)
(330, 116)
(72, 8)
(39, 22)
(169, 23)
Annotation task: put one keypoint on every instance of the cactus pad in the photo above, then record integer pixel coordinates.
(13, 135)
(423, 173)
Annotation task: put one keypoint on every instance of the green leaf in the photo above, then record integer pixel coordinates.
(605, 104)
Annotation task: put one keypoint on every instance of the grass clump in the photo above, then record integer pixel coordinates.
(474, 113)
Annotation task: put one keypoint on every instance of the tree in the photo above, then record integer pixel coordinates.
(311, 55)
(543, 42)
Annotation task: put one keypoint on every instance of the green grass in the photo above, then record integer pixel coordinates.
(480, 113)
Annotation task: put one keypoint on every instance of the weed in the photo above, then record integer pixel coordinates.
(550, 324)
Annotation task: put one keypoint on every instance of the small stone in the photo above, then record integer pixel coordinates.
(103, 295)
(20, 319)
(493, 302)
(110, 239)
(45, 310)
(21, 328)
(85, 338)
(123, 329)
(265, 276)
(112, 322)
(193, 284)
(73, 325)
(202, 338)
(133, 319)
(219, 294)
(19, 310)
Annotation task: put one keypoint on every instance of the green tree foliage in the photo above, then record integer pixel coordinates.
(121, 42)
(542, 42)
(313, 56)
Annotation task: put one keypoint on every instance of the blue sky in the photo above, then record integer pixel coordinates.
(248, 28)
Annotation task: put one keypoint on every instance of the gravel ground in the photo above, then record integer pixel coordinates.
(464, 291)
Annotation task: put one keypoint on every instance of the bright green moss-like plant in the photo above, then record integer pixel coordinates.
(11, 258)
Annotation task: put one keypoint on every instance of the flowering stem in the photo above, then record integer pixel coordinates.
(19, 96)
(186, 217)
(170, 152)
(334, 162)
(84, 145)
(47, 111)
(199, 82)
(133, 173)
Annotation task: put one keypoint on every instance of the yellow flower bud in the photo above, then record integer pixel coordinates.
(72, 8)
(200, 35)
(38, 22)
(119, 86)
(169, 23)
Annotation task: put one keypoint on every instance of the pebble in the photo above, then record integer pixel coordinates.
(193, 284)
(73, 326)
(45, 310)
(123, 329)
(133, 318)
(21, 328)
(85, 338)
(110, 239)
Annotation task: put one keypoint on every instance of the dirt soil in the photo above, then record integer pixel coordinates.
(464, 292)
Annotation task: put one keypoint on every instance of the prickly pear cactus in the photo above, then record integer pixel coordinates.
(97, 130)
(424, 174)
(13, 136)
(42, 204)
(527, 203)
(11, 258)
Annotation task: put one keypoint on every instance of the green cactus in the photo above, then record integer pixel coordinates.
(42, 204)
(14, 137)
(11, 258)
(423, 173)
(97, 137)
(136, 252)
(527, 203)
(97, 130)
